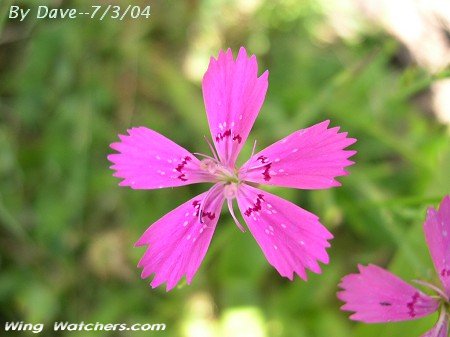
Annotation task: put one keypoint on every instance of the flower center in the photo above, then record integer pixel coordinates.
(229, 177)
(219, 171)
(230, 190)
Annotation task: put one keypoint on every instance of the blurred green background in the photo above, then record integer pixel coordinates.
(68, 87)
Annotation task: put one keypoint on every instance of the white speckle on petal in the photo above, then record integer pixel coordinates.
(267, 231)
(269, 206)
(281, 170)
(193, 240)
(283, 225)
(275, 247)
(201, 230)
(240, 117)
(224, 124)
(220, 126)
(186, 214)
(169, 161)
(158, 157)
(232, 124)
(294, 150)
(188, 236)
(444, 233)
(302, 242)
(185, 223)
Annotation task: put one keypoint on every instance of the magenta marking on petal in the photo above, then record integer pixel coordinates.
(210, 215)
(411, 305)
(183, 163)
(222, 136)
(265, 173)
(262, 159)
(181, 166)
(256, 206)
(385, 304)
(196, 205)
(227, 133)
(238, 138)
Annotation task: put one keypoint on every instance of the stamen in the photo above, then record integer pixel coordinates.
(236, 221)
(441, 319)
(265, 163)
(432, 287)
(226, 173)
(247, 168)
(262, 159)
(213, 151)
(259, 166)
(206, 156)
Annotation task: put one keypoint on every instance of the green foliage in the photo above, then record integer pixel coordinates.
(68, 87)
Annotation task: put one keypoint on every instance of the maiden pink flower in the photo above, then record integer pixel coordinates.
(291, 238)
(375, 295)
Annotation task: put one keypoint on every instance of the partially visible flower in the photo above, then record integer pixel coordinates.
(375, 295)
(291, 238)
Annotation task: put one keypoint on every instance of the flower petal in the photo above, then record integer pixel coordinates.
(177, 243)
(291, 238)
(148, 160)
(376, 295)
(437, 234)
(233, 95)
(440, 329)
(309, 159)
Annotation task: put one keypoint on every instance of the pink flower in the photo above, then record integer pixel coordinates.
(375, 295)
(291, 238)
